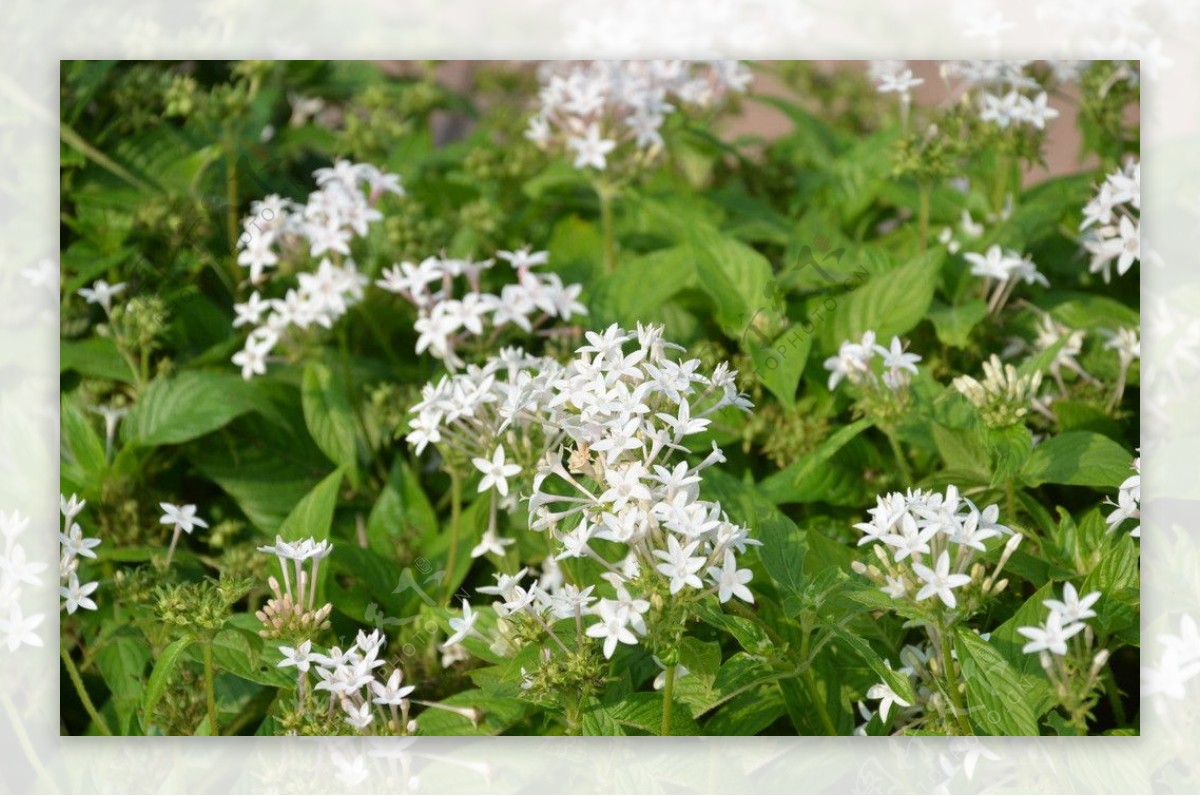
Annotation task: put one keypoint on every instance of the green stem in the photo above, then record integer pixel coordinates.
(811, 684)
(573, 703)
(668, 700)
(210, 693)
(960, 711)
(77, 681)
(606, 227)
(923, 224)
(901, 461)
(455, 516)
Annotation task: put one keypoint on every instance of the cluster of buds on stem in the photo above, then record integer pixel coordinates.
(292, 609)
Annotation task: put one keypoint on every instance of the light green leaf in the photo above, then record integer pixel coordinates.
(890, 303)
(779, 365)
(313, 515)
(735, 277)
(790, 484)
(194, 403)
(1082, 458)
(122, 662)
(160, 676)
(330, 418)
(999, 700)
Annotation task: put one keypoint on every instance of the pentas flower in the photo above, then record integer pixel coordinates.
(1004, 396)
(1003, 270)
(1112, 224)
(597, 109)
(365, 700)
(447, 319)
(292, 609)
(1005, 93)
(854, 362)
(615, 420)
(73, 546)
(102, 293)
(182, 519)
(927, 545)
(321, 230)
(1129, 502)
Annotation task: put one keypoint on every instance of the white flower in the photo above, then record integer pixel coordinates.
(939, 581)
(181, 517)
(1052, 636)
(299, 656)
(900, 82)
(884, 692)
(491, 543)
(357, 716)
(462, 626)
(731, 581)
(612, 627)
(391, 692)
(102, 293)
(679, 565)
(590, 148)
(495, 472)
(76, 596)
(1072, 607)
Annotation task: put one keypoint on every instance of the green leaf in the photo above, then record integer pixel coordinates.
(748, 713)
(160, 676)
(953, 325)
(700, 658)
(122, 662)
(330, 418)
(190, 405)
(643, 711)
(97, 357)
(735, 277)
(790, 485)
(783, 544)
(890, 303)
(749, 635)
(1081, 458)
(313, 515)
(1009, 449)
(898, 682)
(640, 288)
(779, 365)
(82, 447)
(999, 700)
(401, 512)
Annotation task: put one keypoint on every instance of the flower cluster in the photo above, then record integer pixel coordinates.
(1007, 94)
(17, 572)
(1004, 396)
(353, 684)
(73, 546)
(1063, 645)
(445, 321)
(341, 209)
(927, 545)
(292, 610)
(593, 107)
(619, 499)
(854, 360)
(1112, 223)
(1129, 502)
(1003, 270)
(463, 414)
